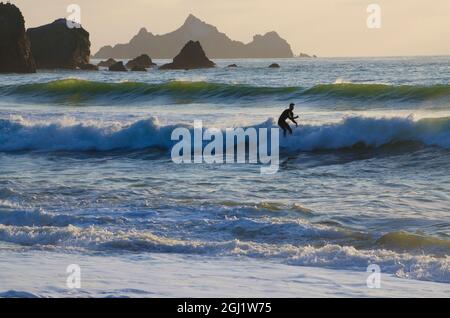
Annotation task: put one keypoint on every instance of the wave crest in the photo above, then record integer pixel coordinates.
(350, 132)
(405, 265)
(405, 240)
(78, 91)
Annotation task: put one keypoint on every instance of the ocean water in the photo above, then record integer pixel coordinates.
(85, 165)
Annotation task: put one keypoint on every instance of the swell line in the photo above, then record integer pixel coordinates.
(82, 91)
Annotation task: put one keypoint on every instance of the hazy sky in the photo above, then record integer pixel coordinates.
(322, 27)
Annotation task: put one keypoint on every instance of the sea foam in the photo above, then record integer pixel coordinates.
(20, 135)
(405, 265)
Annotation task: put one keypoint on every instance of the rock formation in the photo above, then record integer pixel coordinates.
(15, 52)
(139, 69)
(109, 62)
(191, 56)
(143, 61)
(56, 46)
(88, 67)
(274, 65)
(118, 67)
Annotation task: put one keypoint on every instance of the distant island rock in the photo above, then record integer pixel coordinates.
(192, 56)
(274, 65)
(15, 51)
(142, 61)
(304, 55)
(55, 45)
(215, 44)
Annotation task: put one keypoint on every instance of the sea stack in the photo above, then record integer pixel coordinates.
(55, 45)
(192, 56)
(118, 67)
(108, 63)
(15, 52)
(142, 61)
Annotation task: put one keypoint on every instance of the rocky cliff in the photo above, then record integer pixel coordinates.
(55, 45)
(15, 52)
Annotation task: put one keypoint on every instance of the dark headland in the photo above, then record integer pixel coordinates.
(215, 44)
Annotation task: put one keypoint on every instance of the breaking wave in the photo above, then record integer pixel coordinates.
(404, 264)
(20, 135)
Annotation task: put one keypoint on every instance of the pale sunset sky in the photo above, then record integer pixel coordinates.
(322, 27)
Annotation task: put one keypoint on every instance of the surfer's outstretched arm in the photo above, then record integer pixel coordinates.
(292, 118)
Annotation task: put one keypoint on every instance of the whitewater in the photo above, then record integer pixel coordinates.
(86, 178)
(351, 132)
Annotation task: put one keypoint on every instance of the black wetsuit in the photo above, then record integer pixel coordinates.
(287, 114)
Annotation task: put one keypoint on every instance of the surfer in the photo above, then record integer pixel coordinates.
(287, 114)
